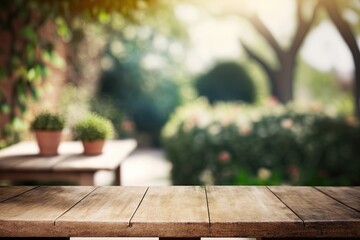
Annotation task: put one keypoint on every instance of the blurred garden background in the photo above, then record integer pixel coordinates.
(247, 92)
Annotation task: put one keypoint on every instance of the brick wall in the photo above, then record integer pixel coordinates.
(51, 89)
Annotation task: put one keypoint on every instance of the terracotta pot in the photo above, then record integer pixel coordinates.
(94, 147)
(48, 142)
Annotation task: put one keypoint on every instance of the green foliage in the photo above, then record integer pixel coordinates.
(25, 65)
(94, 127)
(239, 144)
(227, 81)
(314, 86)
(48, 121)
(339, 164)
(106, 107)
(30, 50)
(76, 103)
(148, 96)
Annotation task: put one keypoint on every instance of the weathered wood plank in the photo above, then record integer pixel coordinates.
(349, 196)
(10, 192)
(33, 213)
(35, 238)
(181, 212)
(30, 162)
(114, 153)
(322, 215)
(9, 156)
(105, 212)
(249, 212)
(179, 238)
(71, 177)
(25, 156)
(313, 238)
(172, 212)
(27, 147)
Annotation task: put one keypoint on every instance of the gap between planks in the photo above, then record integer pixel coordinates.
(208, 209)
(129, 222)
(19, 194)
(206, 199)
(74, 205)
(287, 206)
(337, 200)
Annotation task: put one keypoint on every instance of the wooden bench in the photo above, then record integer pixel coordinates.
(180, 212)
(22, 162)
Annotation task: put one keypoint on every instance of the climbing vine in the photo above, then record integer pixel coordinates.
(27, 48)
(24, 55)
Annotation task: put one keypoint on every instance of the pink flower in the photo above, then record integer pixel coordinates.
(224, 156)
(272, 101)
(226, 120)
(245, 130)
(294, 170)
(287, 123)
(127, 125)
(315, 107)
(200, 119)
(351, 121)
(323, 173)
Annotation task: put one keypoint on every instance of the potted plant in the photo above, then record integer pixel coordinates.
(47, 127)
(93, 131)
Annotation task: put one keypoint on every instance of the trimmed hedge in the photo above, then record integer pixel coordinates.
(239, 144)
(227, 81)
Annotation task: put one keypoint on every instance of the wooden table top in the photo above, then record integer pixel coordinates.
(180, 211)
(24, 157)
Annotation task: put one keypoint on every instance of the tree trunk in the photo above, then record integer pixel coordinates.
(281, 79)
(284, 80)
(349, 37)
(357, 85)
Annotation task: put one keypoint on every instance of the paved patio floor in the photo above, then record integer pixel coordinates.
(144, 167)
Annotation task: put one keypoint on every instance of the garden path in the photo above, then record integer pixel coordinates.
(144, 167)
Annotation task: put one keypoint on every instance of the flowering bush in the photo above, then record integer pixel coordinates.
(240, 144)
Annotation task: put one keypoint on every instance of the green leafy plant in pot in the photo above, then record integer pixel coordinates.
(93, 131)
(48, 127)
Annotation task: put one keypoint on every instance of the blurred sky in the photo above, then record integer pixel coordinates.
(213, 39)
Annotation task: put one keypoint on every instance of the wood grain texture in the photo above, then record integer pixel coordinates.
(313, 238)
(114, 153)
(33, 213)
(70, 177)
(349, 196)
(105, 212)
(9, 156)
(177, 212)
(249, 212)
(24, 156)
(10, 192)
(24, 162)
(322, 215)
(25, 147)
(35, 238)
(172, 212)
(182, 238)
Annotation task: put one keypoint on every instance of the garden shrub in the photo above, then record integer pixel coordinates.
(147, 97)
(240, 144)
(227, 81)
(106, 107)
